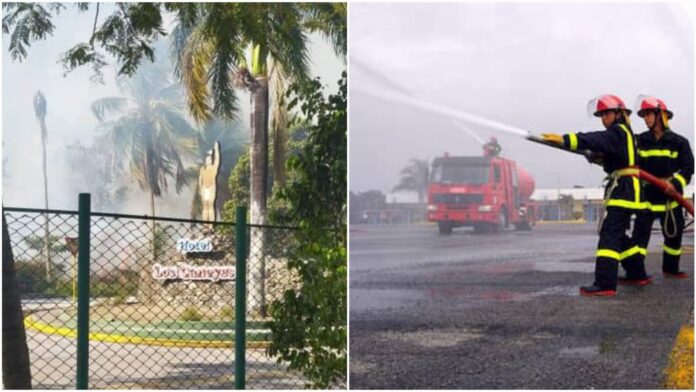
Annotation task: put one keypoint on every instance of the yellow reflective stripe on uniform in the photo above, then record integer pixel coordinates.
(658, 153)
(626, 204)
(681, 179)
(628, 171)
(661, 207)
(629, 145)
(632, 251)
(636, 204)
(573, 138)
(636, 190)
(672, 251)
(612, 254)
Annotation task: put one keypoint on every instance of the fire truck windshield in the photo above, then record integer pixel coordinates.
(469, 174)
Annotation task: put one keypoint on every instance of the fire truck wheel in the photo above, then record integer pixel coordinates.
(445, 228)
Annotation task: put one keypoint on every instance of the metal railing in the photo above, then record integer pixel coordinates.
(136, 302)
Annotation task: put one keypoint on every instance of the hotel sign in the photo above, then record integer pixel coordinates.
(183, 271)
(186, 245)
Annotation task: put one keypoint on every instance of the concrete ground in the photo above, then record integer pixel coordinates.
(503, 311)
(142, 366)
(130, 366)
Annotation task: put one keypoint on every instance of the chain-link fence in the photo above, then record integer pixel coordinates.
(161, 300)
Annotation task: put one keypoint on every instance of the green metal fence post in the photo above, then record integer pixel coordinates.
(83, 291)
(240, 299)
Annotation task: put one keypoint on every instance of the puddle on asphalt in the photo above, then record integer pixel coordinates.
(433, 339)
(369, 299)
(379, 299)
(563, 266)
(542, 266)
(579, 352)
(361, 367)
(571, 291)
(544, 335)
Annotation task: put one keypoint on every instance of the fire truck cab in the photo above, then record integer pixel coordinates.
(486, 193)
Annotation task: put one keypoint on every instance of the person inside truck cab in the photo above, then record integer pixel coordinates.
(623, 195)
(492, 148)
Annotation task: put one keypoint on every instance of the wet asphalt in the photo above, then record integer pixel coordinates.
(503, 310)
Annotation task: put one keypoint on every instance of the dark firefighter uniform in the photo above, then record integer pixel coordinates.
(670, 158)
(623, 198)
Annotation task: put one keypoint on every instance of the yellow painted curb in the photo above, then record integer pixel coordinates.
(680, 371)
(111, 338)
(581, 221)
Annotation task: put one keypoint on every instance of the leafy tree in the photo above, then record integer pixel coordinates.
(309, 323)
(414, 178)
(238, 184)
(150, 135)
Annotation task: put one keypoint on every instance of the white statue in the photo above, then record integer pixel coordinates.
(207, 183)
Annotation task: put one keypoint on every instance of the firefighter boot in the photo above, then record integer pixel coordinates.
(595, 291)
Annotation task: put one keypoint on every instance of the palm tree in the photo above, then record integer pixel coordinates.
(260, 48)
(151, 138)
(151, 135)
(40, 112)
(414, 178)
(16, 373)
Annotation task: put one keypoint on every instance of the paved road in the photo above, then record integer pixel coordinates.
(142, 366)
(503, 311)
(119, 366)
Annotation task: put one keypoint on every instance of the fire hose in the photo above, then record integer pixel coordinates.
(663, 186)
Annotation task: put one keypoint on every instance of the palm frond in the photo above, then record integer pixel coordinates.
(287, 41)
(173, 94)
(414, 177)
(224, 97)
(103, 106)
(40, 112)
(329, 19)
(194, 61)
(188, 15)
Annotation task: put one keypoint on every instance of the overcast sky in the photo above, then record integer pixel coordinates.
(69, 117)
(531, 65)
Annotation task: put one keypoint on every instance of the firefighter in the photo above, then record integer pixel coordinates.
(492, 148)
(623, 196)
(667, 155)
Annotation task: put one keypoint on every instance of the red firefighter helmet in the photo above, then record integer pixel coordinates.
(606, 102)
(648, 103)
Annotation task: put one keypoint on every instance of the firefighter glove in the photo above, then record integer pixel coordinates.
(553, 138)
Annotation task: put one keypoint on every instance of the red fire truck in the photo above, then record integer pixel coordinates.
(486, 193)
